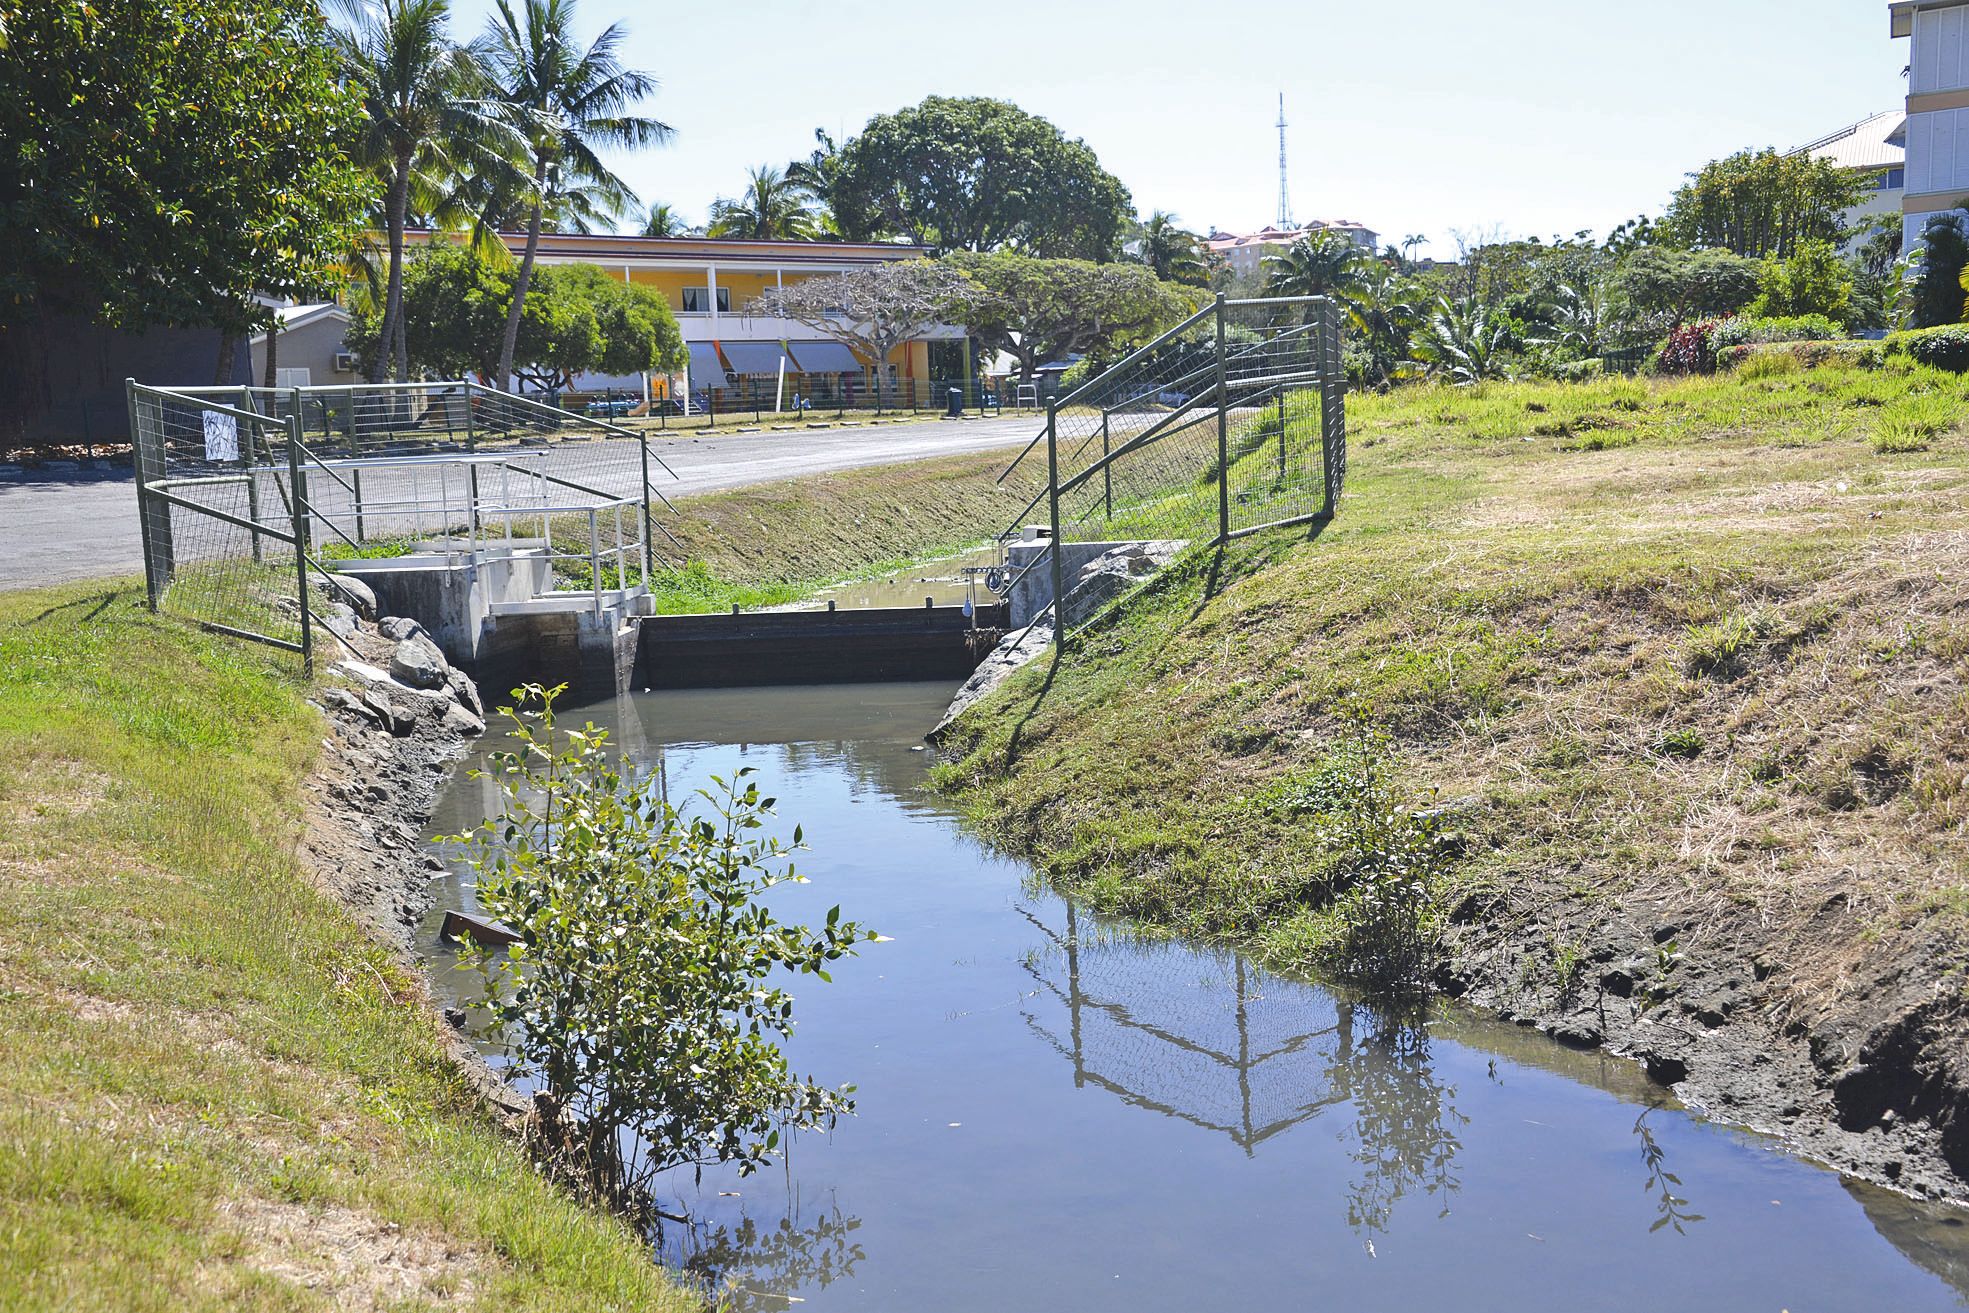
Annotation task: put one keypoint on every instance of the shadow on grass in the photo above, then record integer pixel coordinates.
(102, 601)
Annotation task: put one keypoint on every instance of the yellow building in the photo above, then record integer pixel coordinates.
(711, 283)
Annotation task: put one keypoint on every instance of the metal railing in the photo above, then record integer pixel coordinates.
(1231, 422)
(243, 492)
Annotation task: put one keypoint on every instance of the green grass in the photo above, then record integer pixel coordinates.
(1689, 643)
(217, 1092)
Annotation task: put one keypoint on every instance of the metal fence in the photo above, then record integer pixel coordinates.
(1231, 422)
(818, 398)
(243, 493)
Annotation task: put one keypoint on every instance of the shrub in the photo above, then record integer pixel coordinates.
(644, 991)
(1946, 347)
(1690, 349)
(1579, 371)
(1745, 330)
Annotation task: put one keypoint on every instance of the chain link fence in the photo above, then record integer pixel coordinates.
(244, 491)
(1231, 422)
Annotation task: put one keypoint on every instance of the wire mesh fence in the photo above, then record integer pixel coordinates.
(216, 500)
(242, 491)
(1233, 421)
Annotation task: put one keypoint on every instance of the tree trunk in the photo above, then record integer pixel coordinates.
(511, 342)
(393, 219)
(228, 356)
(273, 354)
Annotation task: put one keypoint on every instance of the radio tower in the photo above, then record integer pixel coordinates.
(1284, 197)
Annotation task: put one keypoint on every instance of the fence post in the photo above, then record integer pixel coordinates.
(1053, 500)
(152, 524)
(1107, 470)
(1333, 411)
(246, 460)
(299, 484)
(1223, 432)
(649, 525)
(471, 420)
(1281, 432)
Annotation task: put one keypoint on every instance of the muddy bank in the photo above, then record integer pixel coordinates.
(1876, 1085)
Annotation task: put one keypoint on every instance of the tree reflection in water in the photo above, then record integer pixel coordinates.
(1245, 1054)
(749, 1268)
(1671, 1208)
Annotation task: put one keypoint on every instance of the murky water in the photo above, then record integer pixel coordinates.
(943, 581)
(1055, 1114)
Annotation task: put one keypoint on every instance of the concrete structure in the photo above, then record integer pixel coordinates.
(710, 284)
(1937, 132)
(311, 350)
(1875, 147)
(1245, 252)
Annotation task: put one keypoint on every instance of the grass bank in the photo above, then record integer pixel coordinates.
(218, 1093)
(1695, 654)
(773, 543)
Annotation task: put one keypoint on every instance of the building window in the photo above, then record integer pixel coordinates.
(696, 302)
(1893, 180)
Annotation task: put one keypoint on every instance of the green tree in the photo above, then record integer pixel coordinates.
(874, 309)
(426, 123)
(647, 992)
(1040, 310)
(570, 102)
(1173, 253)
(1759, 203)
(155, 174)
(1939, 263)
(975, 174)
(1320, 263)
(1684, 285)
(773, 207)
(1814, 281)
(817, 174)
(578, 320)
(1463, 342)
(664, 221)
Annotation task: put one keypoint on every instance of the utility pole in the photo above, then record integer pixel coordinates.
(1284, 197)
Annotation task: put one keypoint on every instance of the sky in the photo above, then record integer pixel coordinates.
(1512, 117)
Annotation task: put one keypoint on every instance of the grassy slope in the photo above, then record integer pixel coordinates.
(773, 543)
(217, 1092)
(1698, 647)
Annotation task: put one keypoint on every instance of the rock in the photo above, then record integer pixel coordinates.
(1665, 1069)
(466, 692)
(1620, 979)
(1577, 1034)
(339, 619)
(460, 721)
(353, 592)
(398, 628)
(418, 663)
(1108, 576)
(1714, 1010)
(1013, 651)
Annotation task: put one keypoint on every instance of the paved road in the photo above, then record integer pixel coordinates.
(81, 525)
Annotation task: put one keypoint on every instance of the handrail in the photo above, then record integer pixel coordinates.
(187, 394)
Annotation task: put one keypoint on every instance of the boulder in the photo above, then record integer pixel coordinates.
(352, 592)
(418, 663)
(398, 628)
(466, 692)
(460, 721)
(339, 619)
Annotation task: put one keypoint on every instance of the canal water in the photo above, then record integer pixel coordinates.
(1055, 1113)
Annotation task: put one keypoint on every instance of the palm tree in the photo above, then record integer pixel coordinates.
(1382, 310)
(1462, 341)
(1578, 314)
(1172, 252)
(817, 174)
(568, 102)
(1409, 243)
(773, 207)
(426, 121)
(1318, 264)
(664, 221)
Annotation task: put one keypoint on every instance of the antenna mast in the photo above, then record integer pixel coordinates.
(1284, 198)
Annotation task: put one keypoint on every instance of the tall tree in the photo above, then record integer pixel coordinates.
(976, 174)
(773, 207)
(1939, 263)
(570, 102)
(664, 221)
(1172, 252)
(153, 174)
(427, 121)
(1040, 310)
(1758, 203)
(817, 173)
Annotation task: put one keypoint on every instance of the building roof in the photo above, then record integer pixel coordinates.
(300, 316)
(1274, 236)
(1877, 142)
(615, 247)
(1900, 14)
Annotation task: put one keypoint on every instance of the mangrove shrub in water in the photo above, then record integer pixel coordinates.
(639, 991)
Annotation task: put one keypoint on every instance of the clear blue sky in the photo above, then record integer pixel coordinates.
(1532, 116)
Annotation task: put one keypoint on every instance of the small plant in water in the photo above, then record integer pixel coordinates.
(638, 992)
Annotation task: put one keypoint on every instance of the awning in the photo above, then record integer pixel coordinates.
(758, 357)
(825, 358)
(706, 369)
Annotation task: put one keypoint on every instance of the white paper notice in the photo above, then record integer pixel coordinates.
(221, 436)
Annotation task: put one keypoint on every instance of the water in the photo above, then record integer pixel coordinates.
(1055, 1114)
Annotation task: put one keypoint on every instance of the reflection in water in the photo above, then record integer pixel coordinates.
(745, 1265)
(1133, 1019)
(1662, 1183)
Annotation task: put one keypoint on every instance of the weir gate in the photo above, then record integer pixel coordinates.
(534, 543)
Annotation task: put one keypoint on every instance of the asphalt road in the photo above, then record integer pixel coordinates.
(60, 526)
